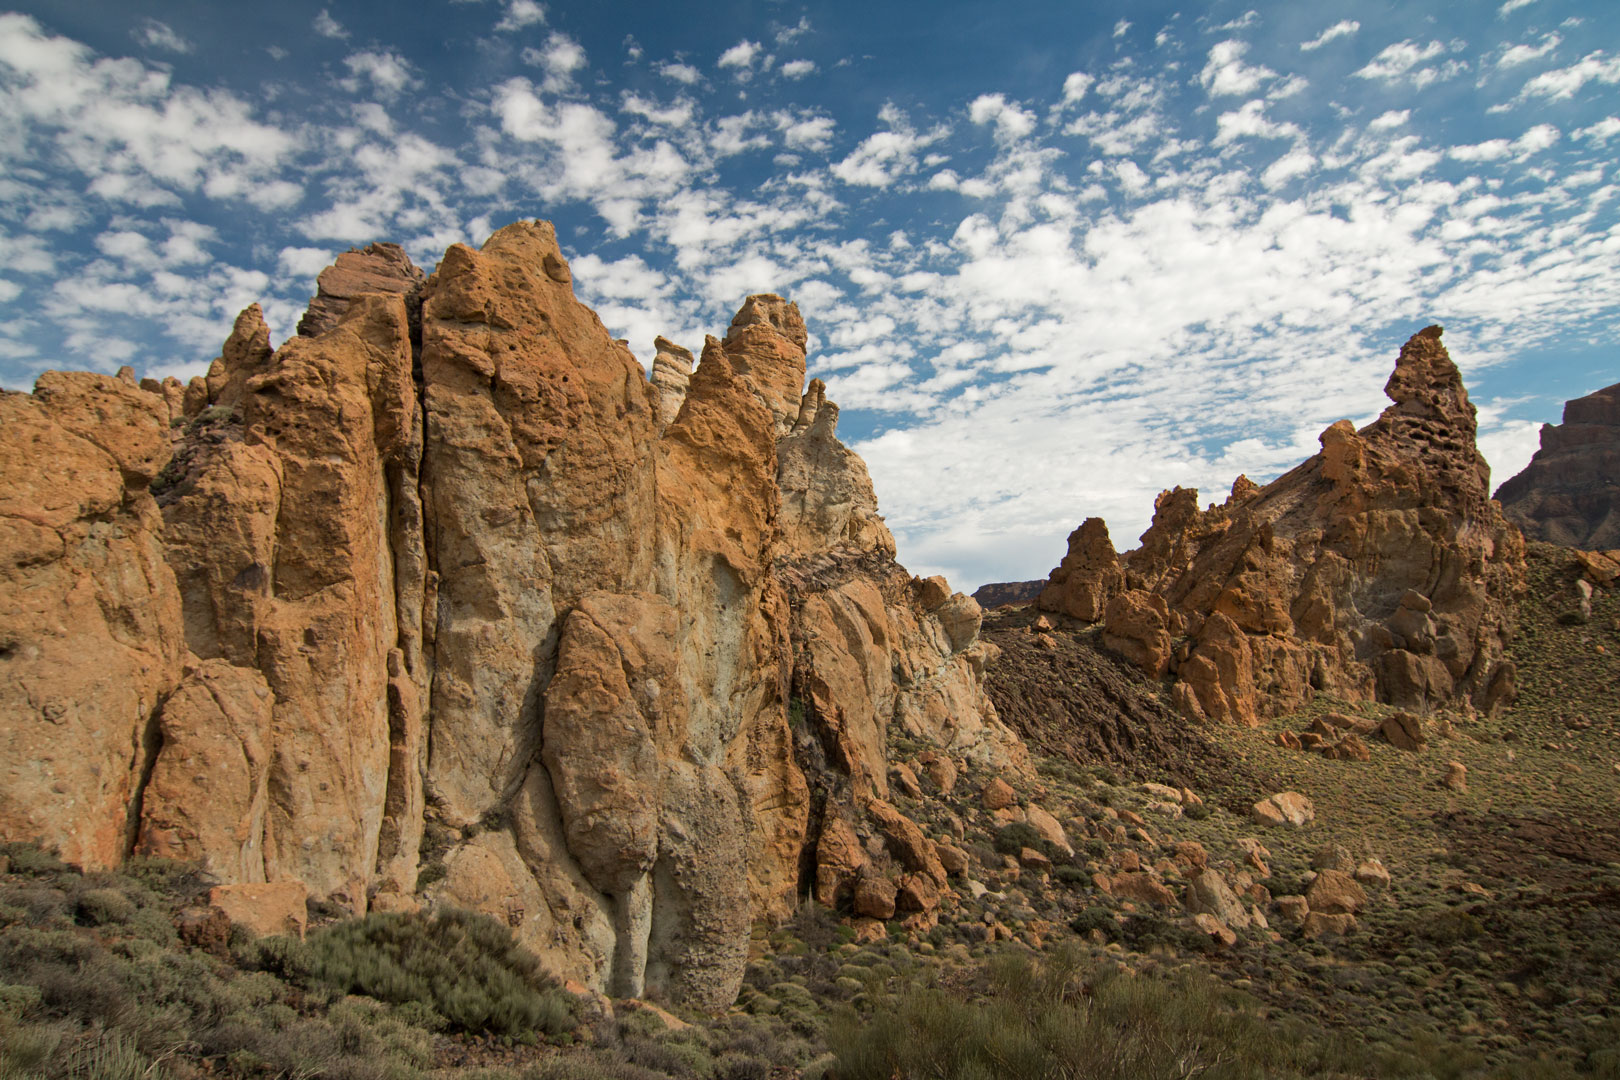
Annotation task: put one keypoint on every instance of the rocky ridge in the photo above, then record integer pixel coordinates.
(1569, 494)
(1378, 570)
(445, 601)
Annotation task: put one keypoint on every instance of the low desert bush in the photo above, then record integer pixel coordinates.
(466, 967)
(1050, 1020)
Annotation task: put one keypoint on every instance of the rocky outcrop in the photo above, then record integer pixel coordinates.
(671, 375)
(447, 582)
(1017, 593)
(1569, 494)
(376, 268)
(1089, 576)
(1379, 569)
(90, 639)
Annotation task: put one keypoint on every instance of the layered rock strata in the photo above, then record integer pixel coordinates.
(445, 601)
(1569, 494)
(1379, 569)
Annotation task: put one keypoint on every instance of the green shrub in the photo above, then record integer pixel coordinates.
(466, 967)
(1069, 874)
(1097, 918)
(1048, 1021)
(1449, 927)
(100, 907)
(32, 859)
(1013, 838)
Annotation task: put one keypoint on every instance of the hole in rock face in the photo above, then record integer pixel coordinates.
(310, 637)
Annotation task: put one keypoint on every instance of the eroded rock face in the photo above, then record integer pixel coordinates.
(446, 580)
(89, 614)
(1569, 494)
(1379, 569)
(1089, 576)
(376, 268)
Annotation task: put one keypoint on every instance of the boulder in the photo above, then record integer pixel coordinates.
(1048, 828)
(1335, 892)
(264, 908)
(1209, 893)
(874, 897)
(1293, 908)
(1284, 808)
(1373, 873)
(1319, 924)
(1211, 926)
(1142, 888)
(997, 795)
(1404, 731)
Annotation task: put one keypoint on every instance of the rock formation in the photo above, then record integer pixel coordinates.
(1569, 494)
(996, 594)
(444, 601)
(1089, 576)
(1378, 569)
(376, 268)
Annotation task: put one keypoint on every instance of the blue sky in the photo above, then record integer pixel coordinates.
(1055, 257)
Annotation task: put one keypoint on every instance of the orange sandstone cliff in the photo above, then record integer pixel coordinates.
(445, 601)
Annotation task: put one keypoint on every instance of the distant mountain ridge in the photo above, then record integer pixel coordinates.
(1569, 494)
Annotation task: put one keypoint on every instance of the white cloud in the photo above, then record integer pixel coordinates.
(740, 57)
(561, 57)
(158, 35)
(1512, 6)
(679, 115)
(303, 263)
(1292, 165)
(1342, 28)
(133, 136)
(787, 35)
(1561, 84)
(732, 135)
(1225, 72)
(1075, 86)
(1507, 445)
(1392, 119)
(1249, 122)
(885, 156)
(798, 69)
(520, 14)
(9, 291)
(1011, 122)
(1397, 61)
(1600, 132)
(681, 73)
(804, 131)
(387, 72)
(1121, 28)
(1490, 150)
(328, 27)
(1523, 54)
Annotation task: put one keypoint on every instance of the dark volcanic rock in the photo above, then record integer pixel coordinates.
(1569, 494)
(997, 593)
